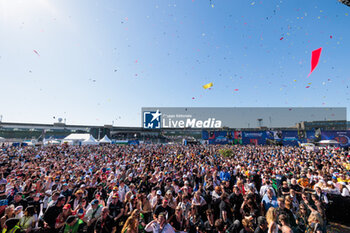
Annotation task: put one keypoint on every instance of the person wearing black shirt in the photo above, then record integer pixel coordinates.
(178, 221)
(225, 210)
(116, 210)
(262, 225)
(36, 202)
(18, 201)
(105, 223)
(163, 208)
(284, 189)
(209, 225)
(281, 209)
(236, 200)
(52, 213)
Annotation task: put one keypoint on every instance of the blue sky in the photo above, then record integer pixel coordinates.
(101, 61)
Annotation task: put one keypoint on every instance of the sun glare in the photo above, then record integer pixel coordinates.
(13, 9)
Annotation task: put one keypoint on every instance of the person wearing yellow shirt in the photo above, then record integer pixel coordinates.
(342, 178)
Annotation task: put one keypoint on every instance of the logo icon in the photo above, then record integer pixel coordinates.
(151, 119)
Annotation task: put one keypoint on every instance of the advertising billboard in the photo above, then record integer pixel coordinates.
(237, 118)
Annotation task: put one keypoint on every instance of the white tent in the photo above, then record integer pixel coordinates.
(90, 141)
(51, 142)
(2, 139)
(105, 139)
(78, 136)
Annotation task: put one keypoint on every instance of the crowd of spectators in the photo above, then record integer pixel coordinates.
(169, 188)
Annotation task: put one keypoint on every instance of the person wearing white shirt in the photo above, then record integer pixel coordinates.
(344, 190)
(159, 226)
(93, 213)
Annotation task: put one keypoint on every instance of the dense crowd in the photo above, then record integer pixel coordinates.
(169, 188)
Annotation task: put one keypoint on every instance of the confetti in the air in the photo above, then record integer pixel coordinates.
(209, 85)
(307, 87)
(236, 89)
(281, 38)
(315, 57)
(36, 52)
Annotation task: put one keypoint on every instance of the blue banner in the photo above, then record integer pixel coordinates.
(343, 137)
(254, 137)
(290, 138)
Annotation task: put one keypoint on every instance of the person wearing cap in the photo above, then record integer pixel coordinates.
(66, 192)
(155, 201)
(101, 191)
(262, 225)
(11, 226)
(92, 214)
(18, 201)
(74, 225)
(75, 201)
(116, 211)
(112, 194)
(343, 189)
(163, 208)
(62, 217)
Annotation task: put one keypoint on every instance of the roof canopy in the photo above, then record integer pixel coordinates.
(105, 139)
(78, 136)
(90, 141)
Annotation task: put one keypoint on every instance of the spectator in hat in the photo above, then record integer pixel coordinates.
(75, 201)
(163, 208)
(92, 214)
(74, 225)
(62, 217)
(116, 211)
(66, 192)
(98, 197)
(114, 192)
(262, 225)
(101, 191)
(19, 212)
(105, 223)
(343, 189)
(11, 226)
(155, 201)
(19, 201)
(27, 222)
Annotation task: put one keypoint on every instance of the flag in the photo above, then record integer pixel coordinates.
(209, 85)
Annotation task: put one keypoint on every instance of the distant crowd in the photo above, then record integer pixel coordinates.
(170, 188)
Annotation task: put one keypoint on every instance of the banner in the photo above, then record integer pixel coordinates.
(254, 137)
(290, 138)
(343, 137)
(218, 137)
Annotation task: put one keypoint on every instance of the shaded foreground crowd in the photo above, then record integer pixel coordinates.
(172, 188)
